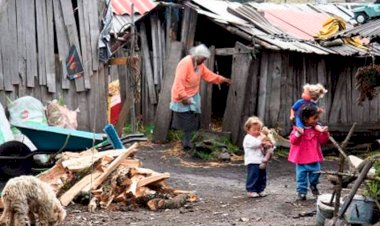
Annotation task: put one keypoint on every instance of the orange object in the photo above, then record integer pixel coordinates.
(115, 108)
(187, 81)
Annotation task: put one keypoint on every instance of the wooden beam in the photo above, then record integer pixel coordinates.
(152, 179)
(163, 113)
(115, 163)
(237, 91)
(74, 190)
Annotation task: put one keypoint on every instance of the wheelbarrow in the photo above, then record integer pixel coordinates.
(16, 157)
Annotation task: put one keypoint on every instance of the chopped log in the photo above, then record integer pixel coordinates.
(135, 180)
(145, 171)
(151, 179)
(80, 167)
(87, 161)
(120, 180)
(69, 195)
(131, 163)
(174, 203)
(106, 199)
(126, 153)
(92, 205)
(57, 176)
(70, 155)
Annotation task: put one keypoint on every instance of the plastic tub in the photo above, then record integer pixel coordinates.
(360, 210)
(324, 211)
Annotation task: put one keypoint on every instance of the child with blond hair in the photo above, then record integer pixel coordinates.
(311, 94)
(254, 143)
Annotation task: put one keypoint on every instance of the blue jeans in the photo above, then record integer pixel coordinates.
(256, 178)
(305, 176)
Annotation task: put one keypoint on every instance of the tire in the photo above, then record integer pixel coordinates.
(361, 18)
(14, 167)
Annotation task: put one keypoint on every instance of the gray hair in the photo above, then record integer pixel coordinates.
(200, 50)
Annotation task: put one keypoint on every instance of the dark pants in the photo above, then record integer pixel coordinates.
(256, 178)
(188, 122)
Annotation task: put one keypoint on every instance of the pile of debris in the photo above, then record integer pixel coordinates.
(112, 177)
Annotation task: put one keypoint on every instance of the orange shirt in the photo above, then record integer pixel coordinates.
(187, 81)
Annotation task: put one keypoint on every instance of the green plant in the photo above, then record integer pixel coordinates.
(175, 135)
(372, 187)
(203, 155)
(281, 152)
(367, 79)
(147, 130)
(232, 148)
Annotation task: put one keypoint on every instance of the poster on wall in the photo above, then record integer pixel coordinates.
(73, 64)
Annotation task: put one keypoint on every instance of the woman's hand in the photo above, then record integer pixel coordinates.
(227, 80)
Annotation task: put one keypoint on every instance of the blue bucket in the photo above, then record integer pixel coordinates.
(360, 210)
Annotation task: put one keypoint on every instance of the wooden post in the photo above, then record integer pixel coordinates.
(206, 94)
(338, 188)
(163, 113)
(237, 91)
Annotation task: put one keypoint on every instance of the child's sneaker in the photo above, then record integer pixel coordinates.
(301, 196)
(253, 195)
(263, 194)
(314, 190)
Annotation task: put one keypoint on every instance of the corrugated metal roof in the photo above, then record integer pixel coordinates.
(303, 25)
(371, 29)
(122, 10)
(285, 26)
(122, 7)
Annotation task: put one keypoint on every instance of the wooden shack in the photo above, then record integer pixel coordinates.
(267, 77)
(36, 39)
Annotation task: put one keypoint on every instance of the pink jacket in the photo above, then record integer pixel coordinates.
(306, 148)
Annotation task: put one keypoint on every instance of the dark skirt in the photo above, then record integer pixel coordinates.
(186, 121)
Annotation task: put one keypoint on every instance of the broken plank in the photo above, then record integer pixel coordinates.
(151, 179)
(84, 35)
(127, 152)
(31, 48)
(41, 19)
(131, 163)
(72, 34)
(94, 33)
(62, 43)
(90, 158)
(49, 50)
(56, 176)
(69, 195)
(147, 65)
(11, 32)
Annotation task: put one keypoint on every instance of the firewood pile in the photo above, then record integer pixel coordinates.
(112, 179)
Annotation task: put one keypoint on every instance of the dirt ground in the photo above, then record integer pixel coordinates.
(221, 189)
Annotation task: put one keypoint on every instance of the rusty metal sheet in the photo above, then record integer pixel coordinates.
(371, 29)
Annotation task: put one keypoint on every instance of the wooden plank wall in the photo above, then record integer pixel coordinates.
(30, 64)
(282, 75)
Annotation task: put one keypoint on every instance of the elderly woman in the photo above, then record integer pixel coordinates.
(185, 99)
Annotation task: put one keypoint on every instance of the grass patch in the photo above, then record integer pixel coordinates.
(281, 152)
(147, 130)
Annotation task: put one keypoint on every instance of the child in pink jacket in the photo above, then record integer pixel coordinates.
(306, 152)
